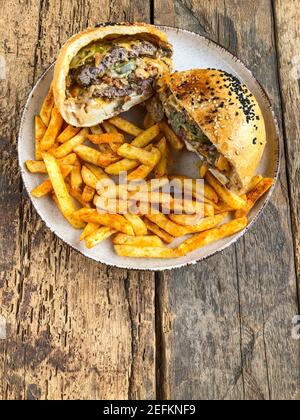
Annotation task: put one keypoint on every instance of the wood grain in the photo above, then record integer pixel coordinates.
(223, 337)
(76, 329)
(287, 18)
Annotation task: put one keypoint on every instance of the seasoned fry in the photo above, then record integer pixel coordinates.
(146, 137)
(205, 238)
(66, 202)
(106, 138)
(98, 236)
(88, 230)
(207, 191)
(148, 121)
(78, 196)
(152, 227)
(125, 126)
(111, 205)
(186, 219)
(229, 197)
(91, 155)
(147, 158)
(68, 133)
(147, 252)
(89, 177)
(68, 160)
(77, 224)
(88, 194)
(254, 182)
(140, 173)
(46, 187)
(96, 170)
(164, 223)
(161, 168)
(69, 145)
(172, 138)
(115, 221)
(36, 166)
(142, 241)
(123, 165)
(40, 130)
(97, 129)
(202, 170)
(54, 127)
(254, 195)
(109, 128)
(139, 227)
(47, 106)
(76, 178)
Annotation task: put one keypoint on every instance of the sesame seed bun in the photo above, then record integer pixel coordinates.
(227, 113)
(96, 110)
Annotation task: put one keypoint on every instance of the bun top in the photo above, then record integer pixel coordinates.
(227, 113)
(81, 40)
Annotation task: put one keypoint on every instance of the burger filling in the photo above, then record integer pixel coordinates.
(119, 68)
(186, 128)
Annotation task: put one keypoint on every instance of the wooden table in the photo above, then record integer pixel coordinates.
(219, 330)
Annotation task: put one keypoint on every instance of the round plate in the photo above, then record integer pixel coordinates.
(190, 51)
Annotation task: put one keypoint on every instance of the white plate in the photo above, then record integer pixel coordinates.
(190, 51)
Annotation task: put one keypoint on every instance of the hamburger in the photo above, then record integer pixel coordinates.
(106, 70)
(219, 119)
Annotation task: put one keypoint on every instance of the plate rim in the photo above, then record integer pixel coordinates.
(236, 237)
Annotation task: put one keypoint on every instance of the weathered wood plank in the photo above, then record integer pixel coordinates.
(287, 17)
(223, 338)
(76, 328)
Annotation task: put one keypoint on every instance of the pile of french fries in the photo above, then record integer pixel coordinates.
(77, 159)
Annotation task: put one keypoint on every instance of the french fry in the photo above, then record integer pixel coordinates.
(186, 219)
(209, 236)
(67, 147)
(66, 202)
(68, 160)
(148, 121)
(47, 106)
(91, 155)
(123, 165)
(36, 166)
(161, 168)
(97, 171)
(140, 173)
(125, 126)
(207, 191)
(142, 241)
(89, 177)
(40, 130)
(68, 133)
(139, 226)
(147, 252)
(52, 131)
(172, 138)
(88, 230)
(135, 153)
(77, 224)
(162, 234)
(146, 137)
(106, 138)
(111, 205)
(254, 195)
(164, 223)
(229, 197)
(202, 170)
(109, 128)
(210, 194)
(115, 221)
(46, 187)
(222, 164)
(96, 129)
(76, 178)
(98, 236)
(78, 197)
(88, 194)
(254, 182)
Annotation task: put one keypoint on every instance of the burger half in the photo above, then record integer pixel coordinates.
(104, 71)
(219, 119)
